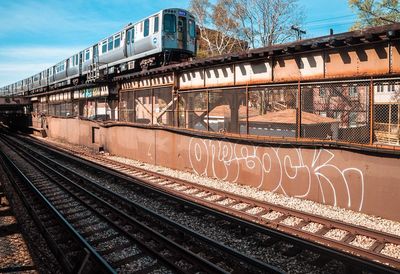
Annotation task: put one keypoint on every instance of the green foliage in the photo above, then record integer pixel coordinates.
(375, 13)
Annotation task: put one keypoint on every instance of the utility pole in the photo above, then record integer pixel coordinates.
(298, 31)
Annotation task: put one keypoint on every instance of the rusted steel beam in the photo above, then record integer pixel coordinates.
(353, 40)
(337, 43)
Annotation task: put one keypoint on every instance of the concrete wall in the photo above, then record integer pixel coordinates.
(351, 180)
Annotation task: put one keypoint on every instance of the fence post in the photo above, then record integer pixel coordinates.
(247, 109)
(208, 110)
(371, 112)
(298, 111)
(177, 108)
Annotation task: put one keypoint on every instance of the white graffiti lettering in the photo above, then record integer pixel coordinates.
(297, 172)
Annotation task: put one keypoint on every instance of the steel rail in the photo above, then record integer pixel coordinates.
(93, 253)
(311, 243)
(203, 264)
(206, 265)
(117, 198)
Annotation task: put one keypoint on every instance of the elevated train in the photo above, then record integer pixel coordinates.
(166, 36)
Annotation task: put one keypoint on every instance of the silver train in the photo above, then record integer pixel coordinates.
(166, 36)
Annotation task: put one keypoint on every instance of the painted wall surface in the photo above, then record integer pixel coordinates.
(253, 73)
(219, 76)
(350, 180)
(191, 79)
(365, 60)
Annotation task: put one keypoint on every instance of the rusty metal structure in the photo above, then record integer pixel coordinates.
(318, 112)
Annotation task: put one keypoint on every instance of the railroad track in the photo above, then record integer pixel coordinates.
(367, 245)
(105, 221)
(309, 227)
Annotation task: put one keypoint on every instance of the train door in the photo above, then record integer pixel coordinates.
(80, 62)
(182, 32)
(130, 38)
(96, 53)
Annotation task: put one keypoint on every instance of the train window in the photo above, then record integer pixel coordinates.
(192, 29)
(128, 36)
(110, 43)
(156, 23)
(87, 54)
(104, 47)
(117, 40)
(133, 35)
(146, 28)
(169, 23)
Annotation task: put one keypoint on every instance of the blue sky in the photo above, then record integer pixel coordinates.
(36, 34)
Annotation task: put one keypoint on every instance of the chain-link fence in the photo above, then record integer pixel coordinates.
(360, 112)
(337, 111)
(272, 110)
(148, 106)
(386, 112)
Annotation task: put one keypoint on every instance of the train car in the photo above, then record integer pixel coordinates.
(43, 79)
(112, 50)
(164, 37)
(36, 81)
(25, 85)
(73, 67)
(19, 87)
(60, 72)
(50, 74)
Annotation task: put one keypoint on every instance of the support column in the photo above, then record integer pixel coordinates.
(298, 111)
(371, 112)
(234, 107)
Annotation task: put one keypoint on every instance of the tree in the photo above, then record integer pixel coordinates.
(267, 22)
(217, 27)
(233, 25)
(375, 13)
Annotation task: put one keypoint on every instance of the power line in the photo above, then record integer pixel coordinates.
(329, 23)
(331, 18)
(338, 23)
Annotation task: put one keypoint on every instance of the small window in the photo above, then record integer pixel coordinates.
(87, 55)
(128, 36)
(391, 88)
(117, 40)
(169, 23)
(110, 43)
(353, 119)
(322, 92)
(133, 35)
(353, 91)
(146, 28)
(104, 47)
(380, 88)
(192, 29)
(156, 23)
